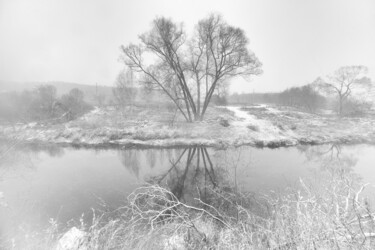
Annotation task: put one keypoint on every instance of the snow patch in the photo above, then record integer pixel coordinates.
(249, 123)
(72, 240)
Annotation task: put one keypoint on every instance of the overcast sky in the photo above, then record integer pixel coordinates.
(78, 40)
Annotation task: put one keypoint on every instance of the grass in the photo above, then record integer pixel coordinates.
(140, 116)
(160, 126)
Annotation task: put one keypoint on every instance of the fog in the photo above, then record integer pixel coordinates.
(79, 41)
(167, 124)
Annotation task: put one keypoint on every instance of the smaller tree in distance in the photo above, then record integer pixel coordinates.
(73, 103)
(44, 97)
(343, 82)
(124, 91)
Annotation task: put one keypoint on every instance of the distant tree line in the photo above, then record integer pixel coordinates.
(305, 97)
(342, 92)
(42, 104)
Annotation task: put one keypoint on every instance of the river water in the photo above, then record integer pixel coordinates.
(38, 183)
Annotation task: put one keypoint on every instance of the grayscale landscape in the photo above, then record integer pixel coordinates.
(187, 124)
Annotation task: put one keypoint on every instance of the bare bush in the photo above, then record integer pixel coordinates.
(354, 107)
(325, 215)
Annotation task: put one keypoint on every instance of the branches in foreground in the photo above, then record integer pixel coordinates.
(330, 215)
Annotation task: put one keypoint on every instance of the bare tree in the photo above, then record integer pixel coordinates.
(189, 70)
(124, 90)
(47, 95)
(343, 82)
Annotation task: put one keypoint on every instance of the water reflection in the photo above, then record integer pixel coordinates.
(12, 147)
(15, 153)
(130, 160)
(191, 175)
(67, 181)
(330, 156)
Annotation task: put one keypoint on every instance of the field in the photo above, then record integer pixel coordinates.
(258, 125)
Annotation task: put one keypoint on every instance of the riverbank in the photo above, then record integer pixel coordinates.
(313, 216)
(260, 125)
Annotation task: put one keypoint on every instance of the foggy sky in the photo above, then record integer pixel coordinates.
(78, 40)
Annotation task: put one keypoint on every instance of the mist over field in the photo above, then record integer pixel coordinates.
(187, 124)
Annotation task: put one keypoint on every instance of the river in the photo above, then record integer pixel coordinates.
(43, 184)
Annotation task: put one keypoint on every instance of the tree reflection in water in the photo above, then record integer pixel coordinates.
(330, 157)
(130, 160)
(192, 175)
(16, 156)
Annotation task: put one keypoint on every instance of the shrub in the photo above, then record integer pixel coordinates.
(42, 104)
(224, 122)
(253, 127)
(73, 103)
(353, 107)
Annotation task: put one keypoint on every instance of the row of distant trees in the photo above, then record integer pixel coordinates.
(42, 104)
(343, 91)
(304, 97)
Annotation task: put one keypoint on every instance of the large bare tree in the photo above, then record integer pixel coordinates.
(342, 83)
(189, 70)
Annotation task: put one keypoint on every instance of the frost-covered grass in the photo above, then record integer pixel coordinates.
(140, 126)
(317, 128)
(259, 125)
(325, 212)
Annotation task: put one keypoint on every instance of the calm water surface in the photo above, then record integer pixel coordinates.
(63, 183)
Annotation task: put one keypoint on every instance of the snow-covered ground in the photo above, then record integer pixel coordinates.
(259, 125)
(266, 130)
